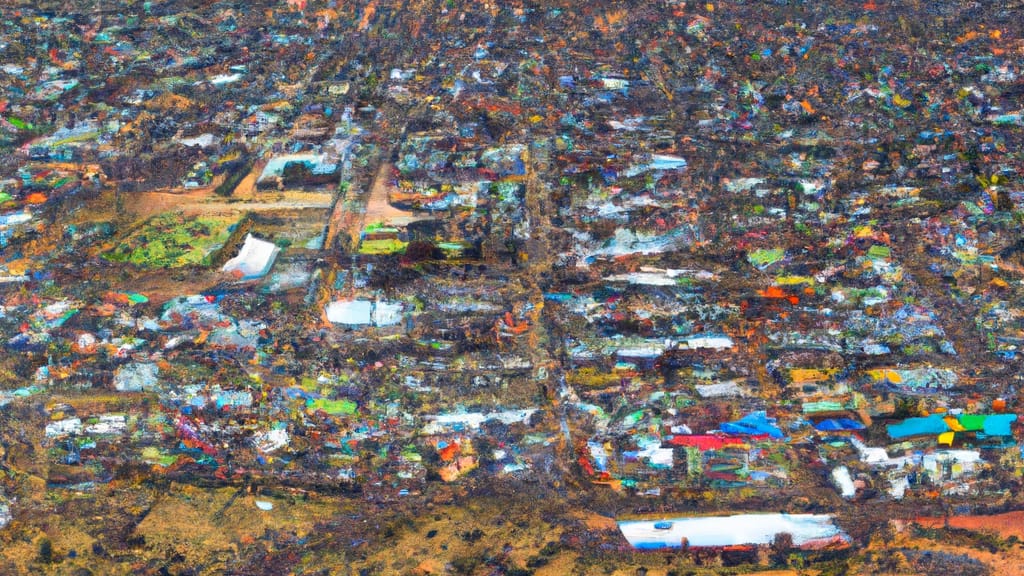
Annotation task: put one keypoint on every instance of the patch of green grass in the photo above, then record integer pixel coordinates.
(380, 247)
(171, 240)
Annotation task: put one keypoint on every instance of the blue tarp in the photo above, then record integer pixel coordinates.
(929, 425)
(998, 424)
(755, 423)
(835, 424)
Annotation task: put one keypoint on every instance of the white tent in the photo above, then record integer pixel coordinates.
(365, 312)
(255, 258)
(387, 313)
(351, 312)
(756, 529)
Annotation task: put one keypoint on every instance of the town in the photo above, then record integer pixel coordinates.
(287, 286)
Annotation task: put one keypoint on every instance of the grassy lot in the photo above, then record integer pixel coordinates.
(170, 240)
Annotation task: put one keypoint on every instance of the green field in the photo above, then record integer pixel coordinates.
(170, 240)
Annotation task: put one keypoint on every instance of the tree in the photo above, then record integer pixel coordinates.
(45, 551)
(781, 545)
(296, 172)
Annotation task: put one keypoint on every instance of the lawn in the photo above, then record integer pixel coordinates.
(385, 246)
(170, 240)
